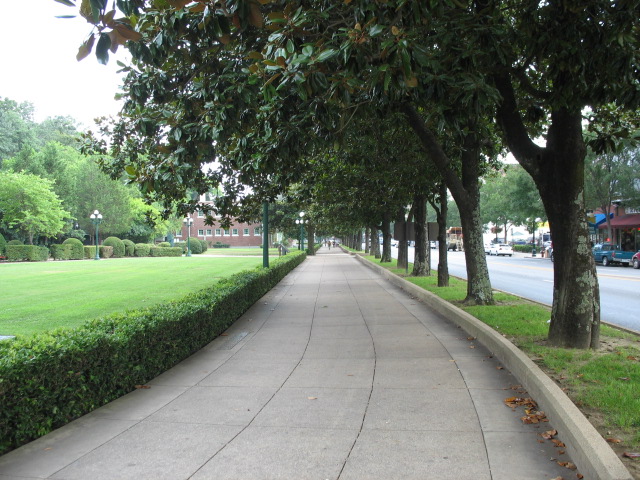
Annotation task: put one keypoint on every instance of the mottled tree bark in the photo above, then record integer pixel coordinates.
(421, 265)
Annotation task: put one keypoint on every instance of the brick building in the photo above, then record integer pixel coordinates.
(238, 235)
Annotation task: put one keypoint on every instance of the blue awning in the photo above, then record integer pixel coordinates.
(600, 219)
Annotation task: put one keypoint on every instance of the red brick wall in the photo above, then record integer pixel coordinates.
(240, 240)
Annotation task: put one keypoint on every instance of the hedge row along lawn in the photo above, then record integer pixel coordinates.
(604, 384)
(48, 379)
(41, 296)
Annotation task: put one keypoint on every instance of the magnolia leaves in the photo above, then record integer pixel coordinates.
(111, 32)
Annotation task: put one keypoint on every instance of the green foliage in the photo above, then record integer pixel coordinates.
(195, 246)
(165, 252)
(31, 253)
(30, 206)
(106, 251)
(61, 252)
(220, 245)
(527, 248)
(205, 245)
(89, 251)
(15, 242)
(129, 247)
(50, 379)
(77, 249)
(117, 244)
(3, 244)
(164, 244)
(142, 250)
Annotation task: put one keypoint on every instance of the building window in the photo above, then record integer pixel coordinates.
(234, 232)
(201, 233)
(218, 232)
(245, 232)
(209, 232)
(178, 233)
(200, 214)
(226, 232)
(257, 231)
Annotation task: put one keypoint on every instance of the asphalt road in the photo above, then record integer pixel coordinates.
(532, 278)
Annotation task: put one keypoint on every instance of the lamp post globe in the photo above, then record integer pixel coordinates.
(188, 221)
(96, 219)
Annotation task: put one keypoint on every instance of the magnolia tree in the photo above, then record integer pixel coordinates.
(255, 85)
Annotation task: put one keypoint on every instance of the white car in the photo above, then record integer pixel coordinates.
(500, 249)
(487, 247)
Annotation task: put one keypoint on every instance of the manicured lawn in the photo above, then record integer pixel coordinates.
(41, 296)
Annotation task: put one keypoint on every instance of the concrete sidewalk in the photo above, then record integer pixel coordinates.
(333, 374)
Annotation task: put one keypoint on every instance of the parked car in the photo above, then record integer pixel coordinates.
(487, 248)
(635, 260)
(500, 249)
(610, 254)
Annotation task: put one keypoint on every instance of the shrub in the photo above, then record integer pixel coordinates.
(117, 244)
(523, 248)
(164, 244)
(90, 251)
(220, 245)
(205, 245)
(31, 253)
(165, 252)
(49, 379)
(106, 251)
(61, 252)
(77, 249)
(15, 242)
(196, 246)
(142, 250)
(129, 247)
(3, 245)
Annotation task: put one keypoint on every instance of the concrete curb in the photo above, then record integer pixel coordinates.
(590, 452)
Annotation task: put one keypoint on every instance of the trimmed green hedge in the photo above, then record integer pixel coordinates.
(30, 253)
(3, 244)
(117, 244)
(165, 252)
(77, 249)
(523, 248)
(52, 378)
(220, 245)
(61, 252)
(142, 249)
(106, 251)
(129, 247)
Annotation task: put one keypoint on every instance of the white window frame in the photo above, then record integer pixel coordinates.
(218, 232)
(245, 232)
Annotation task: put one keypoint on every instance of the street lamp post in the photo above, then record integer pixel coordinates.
(188, 221)
(96, 219)
(535, 226)
(301, 222)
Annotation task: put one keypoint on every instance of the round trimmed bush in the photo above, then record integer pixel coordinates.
(3, 244)
(205, 245)
(15, 242)
(195, 246)
(164, 244)
(117, 244)
(129, 247)
(77, 249)
(142, 250)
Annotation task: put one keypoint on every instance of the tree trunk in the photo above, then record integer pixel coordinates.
(375, 242)
(466, 192)
(558, 171)
(441, 210)
(421, 265)
(311, 250)
(367, 241)
(386, 238)
(403, 244)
